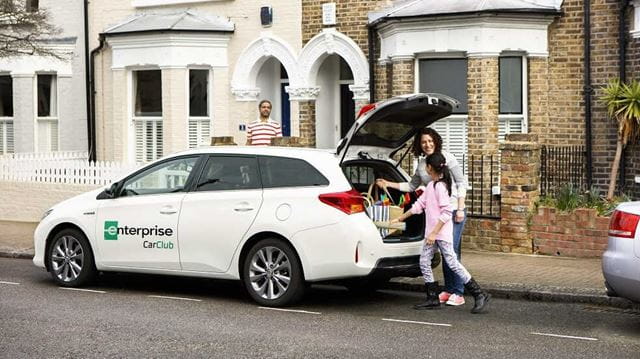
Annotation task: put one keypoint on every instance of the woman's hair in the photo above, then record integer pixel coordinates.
(439, 165)
(437, 140)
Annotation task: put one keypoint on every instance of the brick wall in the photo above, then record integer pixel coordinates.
(538, 97)
(581, 233)
(566, 105)
(308, 122)
(633, 72)
(482, 88)
(484, 234)
(402, 77)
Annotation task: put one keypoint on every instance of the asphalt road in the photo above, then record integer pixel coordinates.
(154, 316)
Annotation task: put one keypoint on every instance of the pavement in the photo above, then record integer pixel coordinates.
(513, 276)
(532, 277)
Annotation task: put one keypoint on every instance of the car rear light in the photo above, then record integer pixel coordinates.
(623, 224)
(366, 108)
(349, 202)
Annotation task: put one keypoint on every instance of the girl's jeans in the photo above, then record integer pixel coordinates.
(449, 256)
(452, 282)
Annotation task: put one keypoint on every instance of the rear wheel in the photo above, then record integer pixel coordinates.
(70, 259)
(272, 274)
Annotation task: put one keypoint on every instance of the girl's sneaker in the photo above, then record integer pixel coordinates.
(455, 299)
(444, 297)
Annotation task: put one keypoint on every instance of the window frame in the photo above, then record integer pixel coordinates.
(197, 168)
(199, 119)
(209, 156)
(134, 156)
(463, 118)
(49, 120)
(260, 157)
(504, 119)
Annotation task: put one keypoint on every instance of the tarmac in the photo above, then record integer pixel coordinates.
(514, 276)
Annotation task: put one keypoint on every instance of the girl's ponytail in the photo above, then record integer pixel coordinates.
(438, 162)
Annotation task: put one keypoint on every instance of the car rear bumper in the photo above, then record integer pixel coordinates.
(620, 268)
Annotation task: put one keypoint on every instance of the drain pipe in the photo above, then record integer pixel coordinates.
(622, 42)
(92, 121)
(87, 82)
(372, 72)
(587, 89)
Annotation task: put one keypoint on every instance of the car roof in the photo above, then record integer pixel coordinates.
(257, 150)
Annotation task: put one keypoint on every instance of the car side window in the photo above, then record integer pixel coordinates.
(289, 172)
(166, 177)
(229, 173)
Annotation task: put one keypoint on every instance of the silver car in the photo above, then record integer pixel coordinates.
(621, 261)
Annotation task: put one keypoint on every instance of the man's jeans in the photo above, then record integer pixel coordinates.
(452, 282)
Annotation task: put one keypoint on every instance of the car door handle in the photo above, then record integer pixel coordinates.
(168, 210)
(243, 209)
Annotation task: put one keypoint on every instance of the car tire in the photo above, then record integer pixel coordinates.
(272, 274)
(70, 259)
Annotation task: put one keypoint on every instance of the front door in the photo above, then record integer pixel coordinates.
(139, 228)
(217, 214)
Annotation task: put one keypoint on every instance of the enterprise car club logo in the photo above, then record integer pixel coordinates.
(112, 231)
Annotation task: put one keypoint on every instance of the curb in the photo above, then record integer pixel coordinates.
(21, 255)
(536, 294)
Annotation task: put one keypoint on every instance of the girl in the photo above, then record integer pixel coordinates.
(425, 143)
(435, 202)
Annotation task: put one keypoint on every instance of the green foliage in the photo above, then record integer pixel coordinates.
(568, 198)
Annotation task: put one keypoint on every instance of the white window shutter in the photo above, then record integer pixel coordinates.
(199, 132)
(148, 140)
(454, 136)
(509, 125)
(3, 139)
(9, 137)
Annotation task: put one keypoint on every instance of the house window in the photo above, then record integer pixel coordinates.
(147, 114)
(6, 114)
(445, 76)
(512, 96)
(199, 119)
(448, 77)
(47, 112)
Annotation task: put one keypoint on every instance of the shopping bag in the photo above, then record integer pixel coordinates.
(382, 210)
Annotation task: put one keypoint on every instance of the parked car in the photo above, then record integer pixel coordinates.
(621, 261)
(271, 217)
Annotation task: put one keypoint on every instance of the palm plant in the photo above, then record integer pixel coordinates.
(623, 105)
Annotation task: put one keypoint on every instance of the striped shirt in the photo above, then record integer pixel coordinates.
(260, 133)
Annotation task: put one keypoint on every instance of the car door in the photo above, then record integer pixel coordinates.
(219, 211)
(139, 227)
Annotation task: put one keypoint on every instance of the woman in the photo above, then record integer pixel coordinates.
(427, 142)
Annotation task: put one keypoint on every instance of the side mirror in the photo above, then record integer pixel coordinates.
(109, 192)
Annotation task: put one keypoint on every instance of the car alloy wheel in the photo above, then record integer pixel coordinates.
(70, 258)
(270, 272)
(67, 258)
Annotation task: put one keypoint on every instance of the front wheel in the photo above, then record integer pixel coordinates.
(272, 274)
(70, 259)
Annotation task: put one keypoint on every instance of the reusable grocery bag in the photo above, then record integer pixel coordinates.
(382, 209)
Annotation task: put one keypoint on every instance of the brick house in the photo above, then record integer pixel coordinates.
(517, 66)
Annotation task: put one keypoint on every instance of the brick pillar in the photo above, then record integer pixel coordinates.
(520, 190)
(483, 89)
(383, 80)
(402, 77)
(222, 141)
(538, 70)
(289, 142)
(308, 122)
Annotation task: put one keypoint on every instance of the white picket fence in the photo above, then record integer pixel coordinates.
(61, 167)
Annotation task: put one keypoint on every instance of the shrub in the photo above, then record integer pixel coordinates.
(568, 198)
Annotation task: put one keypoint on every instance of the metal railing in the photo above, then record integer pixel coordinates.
(560, 166)
(483, 176)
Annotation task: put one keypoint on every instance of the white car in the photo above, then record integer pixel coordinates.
(271, 217)
(621, 261)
